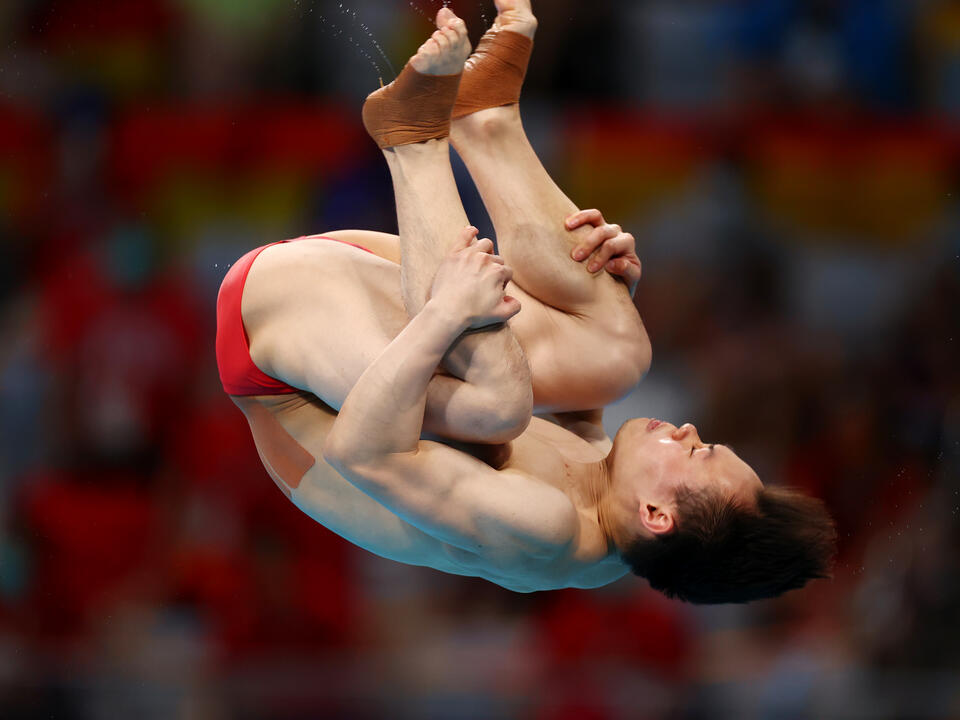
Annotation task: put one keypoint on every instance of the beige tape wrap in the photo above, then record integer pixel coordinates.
(413, 108)
(285, 459)
(494, 74)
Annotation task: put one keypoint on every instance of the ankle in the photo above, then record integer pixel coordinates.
(439, 147)
(488, 124)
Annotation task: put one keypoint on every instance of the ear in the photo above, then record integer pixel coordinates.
(658, 520)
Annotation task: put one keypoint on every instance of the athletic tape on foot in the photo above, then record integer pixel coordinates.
(494, 74)
(285, 459)
(413, 108)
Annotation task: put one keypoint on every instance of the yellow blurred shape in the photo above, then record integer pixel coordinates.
(186, 203)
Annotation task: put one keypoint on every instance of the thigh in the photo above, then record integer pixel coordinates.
(381, 244)
(581, 361)
(317, 313)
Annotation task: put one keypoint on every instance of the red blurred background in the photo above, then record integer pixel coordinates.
(790, 169)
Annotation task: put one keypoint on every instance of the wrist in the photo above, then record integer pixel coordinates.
(445, 318)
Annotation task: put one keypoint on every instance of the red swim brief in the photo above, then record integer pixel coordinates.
(237, 372)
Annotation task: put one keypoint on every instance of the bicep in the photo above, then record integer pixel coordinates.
(460, 501)
(355, 516)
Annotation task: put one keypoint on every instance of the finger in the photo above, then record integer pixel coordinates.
(442, 40)
(629, 270)
(594, 240)
(585, 217)
(509, 307)
(504, 274)
(484, 246)
(620, 245)
(466, 237)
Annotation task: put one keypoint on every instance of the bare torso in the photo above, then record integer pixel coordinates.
(346, 305)
(545, 453)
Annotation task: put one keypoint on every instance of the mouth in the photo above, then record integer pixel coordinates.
(653, 425)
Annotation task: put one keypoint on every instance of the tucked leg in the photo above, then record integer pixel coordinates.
(580, 311)
(430, 212)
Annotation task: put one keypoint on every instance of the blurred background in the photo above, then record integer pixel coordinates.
(791, 172)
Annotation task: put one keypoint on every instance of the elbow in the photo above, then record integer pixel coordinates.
(340, 453)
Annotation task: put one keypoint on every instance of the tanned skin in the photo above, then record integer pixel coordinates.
(542, 511)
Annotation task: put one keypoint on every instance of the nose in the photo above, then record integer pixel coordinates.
(686, 429)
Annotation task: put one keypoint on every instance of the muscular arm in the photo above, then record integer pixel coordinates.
(316, 322)
(375, 444)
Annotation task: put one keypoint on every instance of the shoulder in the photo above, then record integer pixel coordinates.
(544, 522)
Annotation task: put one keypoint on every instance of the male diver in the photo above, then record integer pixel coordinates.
(309, 327)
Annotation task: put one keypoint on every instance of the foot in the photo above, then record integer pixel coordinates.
(417, 106)
(516, 16)
(447, 49)
(493, 76)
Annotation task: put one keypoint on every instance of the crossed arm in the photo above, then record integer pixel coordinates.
(375, 444)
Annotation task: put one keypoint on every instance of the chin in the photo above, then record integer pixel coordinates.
(635, 426)
(629, 433)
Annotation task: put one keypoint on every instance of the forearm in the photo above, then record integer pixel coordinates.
(383, 414)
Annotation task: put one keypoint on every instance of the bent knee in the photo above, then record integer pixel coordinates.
(505, 416)
(480, 416)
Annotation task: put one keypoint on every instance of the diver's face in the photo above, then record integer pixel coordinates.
(656, 458)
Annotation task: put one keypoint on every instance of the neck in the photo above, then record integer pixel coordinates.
(594, 490)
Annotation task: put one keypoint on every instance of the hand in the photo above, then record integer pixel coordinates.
(470, 283)
(607, 247)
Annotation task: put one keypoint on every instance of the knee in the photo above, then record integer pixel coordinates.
(481, 417)
(506, 415)
(627, 365)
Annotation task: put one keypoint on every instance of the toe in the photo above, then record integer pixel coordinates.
(441, 39)
(444, 16)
